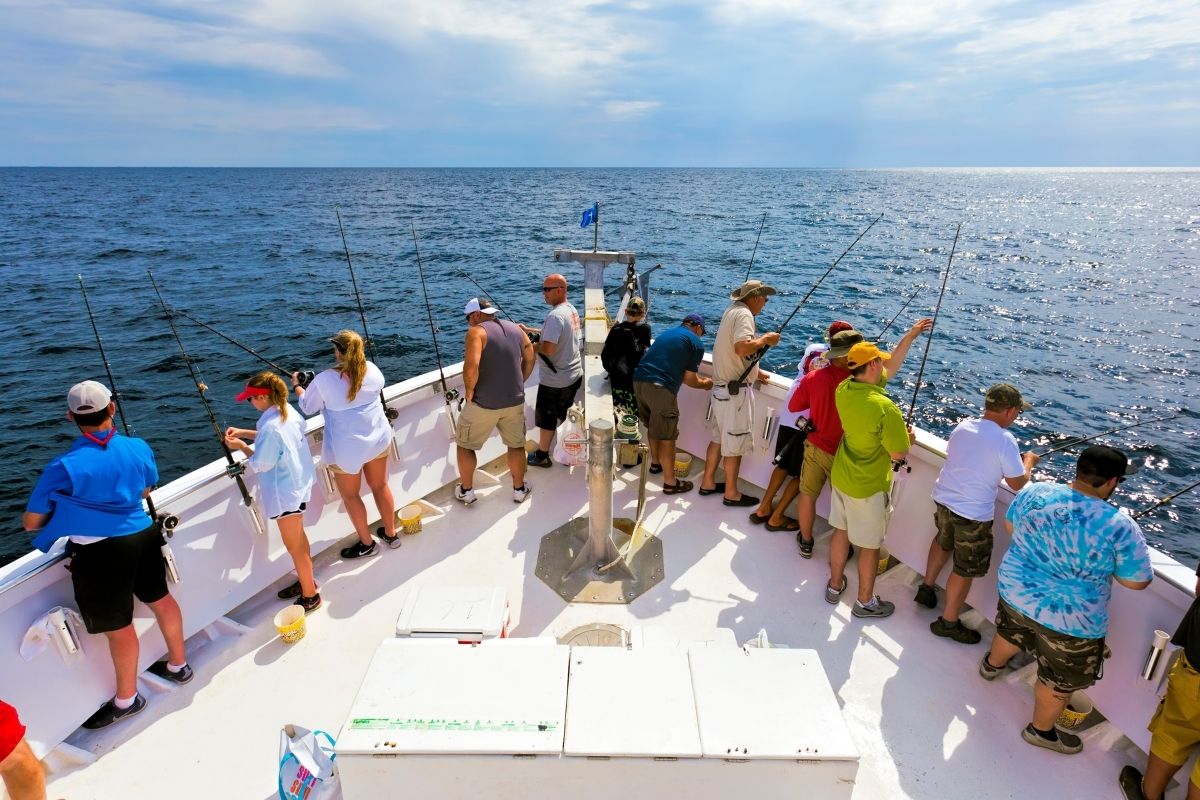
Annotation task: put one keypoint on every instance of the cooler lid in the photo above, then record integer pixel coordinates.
(454, 699)
(433, 610)
(771, 703)
(635, 703)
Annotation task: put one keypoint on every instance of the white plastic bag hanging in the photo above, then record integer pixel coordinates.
(570, 446)
(306, 768)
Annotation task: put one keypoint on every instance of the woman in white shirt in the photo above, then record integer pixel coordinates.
(284, 466)
(357, 436)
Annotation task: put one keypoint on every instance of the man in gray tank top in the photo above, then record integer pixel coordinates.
(498, 360)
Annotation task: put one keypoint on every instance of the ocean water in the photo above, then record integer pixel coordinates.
(1080, 286)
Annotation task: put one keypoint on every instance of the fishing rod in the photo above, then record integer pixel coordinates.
(1074, 442)
(1162, 501)
(533, 337)
(166, 521)
(736, 386)
(911, 297)
(306, 376)
(450, 394)
(389, 412)
(902, 463)
(484, 292)
(234, 469)
(755, 251)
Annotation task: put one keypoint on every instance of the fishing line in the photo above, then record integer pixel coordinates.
(165, 521)
(916, 291)
(234, 469)
(390, 413)
(1162, 501)
(755, 251)
(1074, 442)
(736, 386)
(450, 394)
(306, 376)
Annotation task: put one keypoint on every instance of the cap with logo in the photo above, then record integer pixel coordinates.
(1104, 462)
(841, 342)
(1005, 395)
(752, 289)
(864, 353)
(482, 306)
(88, 397)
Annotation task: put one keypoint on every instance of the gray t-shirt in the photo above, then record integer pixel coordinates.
(737, 325)
(562, 328)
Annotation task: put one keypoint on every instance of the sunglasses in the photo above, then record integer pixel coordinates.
(552, 288)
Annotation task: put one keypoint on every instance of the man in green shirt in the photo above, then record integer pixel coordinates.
(874, 435)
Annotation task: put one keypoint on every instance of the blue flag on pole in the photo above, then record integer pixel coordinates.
(589, 215)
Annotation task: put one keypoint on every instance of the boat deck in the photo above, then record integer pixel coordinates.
(924, 722)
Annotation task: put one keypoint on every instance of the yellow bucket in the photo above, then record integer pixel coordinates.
(683, 465)
(290, 624)
(885, 560)
(1078, 707)
(410, 518)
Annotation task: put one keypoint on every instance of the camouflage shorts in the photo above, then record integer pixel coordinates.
(1065, 663)
(970, 540)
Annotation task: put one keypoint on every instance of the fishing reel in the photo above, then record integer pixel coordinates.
(305, 377)
(167, 523)
(235, 470)
(901, 464)
(534, 337)
(390, 413)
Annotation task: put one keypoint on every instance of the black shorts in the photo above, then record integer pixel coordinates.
(552, 403)
(303, 507)
(794, 457)
(108, 574)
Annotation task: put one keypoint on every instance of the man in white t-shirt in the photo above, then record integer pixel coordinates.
(980, 453)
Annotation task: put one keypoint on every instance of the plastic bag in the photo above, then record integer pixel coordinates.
(306, 768)
(570, 445)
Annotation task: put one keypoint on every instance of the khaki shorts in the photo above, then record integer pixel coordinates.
(658, 409)
(476, 424)
(1065, 663)
(814, 471)
(1176, 723)
(864, 520)
(971, 541)
(731, 421)
(336, 470)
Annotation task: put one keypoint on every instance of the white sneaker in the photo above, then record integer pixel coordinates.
(519, 495)
(467, 497)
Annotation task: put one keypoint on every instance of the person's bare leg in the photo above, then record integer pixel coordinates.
(467, 460)
(123, 647)
(790, 491)
(376, 473)
(1158, 775)
(712, 458)
(868, 567)
(806, 513)
(935, 563)
(23, 775)
(170, 625)
(766, 506)
(291, 529)
(1193, 791)
(348, 487)
(956, 594)
(666, 459)
(654, 445)
(516, 466)
(1001, 651)
(839, 554)
(544, 439)
(1047, 705)
(732, 465)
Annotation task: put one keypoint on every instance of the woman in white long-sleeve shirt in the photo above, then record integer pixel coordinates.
(357, 436)
(285, 472)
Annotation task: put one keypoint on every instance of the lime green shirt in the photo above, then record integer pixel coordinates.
(873, 429)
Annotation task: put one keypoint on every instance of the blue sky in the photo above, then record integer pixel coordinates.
(620, 83)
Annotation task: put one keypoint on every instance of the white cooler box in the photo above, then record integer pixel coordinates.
(468, 615)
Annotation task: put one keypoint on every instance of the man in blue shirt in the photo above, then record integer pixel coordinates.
(674, 359)
(93, 494)
(1055, 581)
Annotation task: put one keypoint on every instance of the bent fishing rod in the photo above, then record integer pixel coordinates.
(389, 412)
(233, 469)
(755, 251)
(166, 521)
(450, 394)
(306, 375)
(897, 465)
(736, 386)
(911, 297)
(1074, 442)
(1162, 501)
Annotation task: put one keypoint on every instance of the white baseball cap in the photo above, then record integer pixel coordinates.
(475, 304)
(88, 397)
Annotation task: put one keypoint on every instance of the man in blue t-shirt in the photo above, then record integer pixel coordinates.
(674, 359)
(1055, 582)
(93, 494)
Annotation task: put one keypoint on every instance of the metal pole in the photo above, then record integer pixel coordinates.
(596, 240)
(600, 549)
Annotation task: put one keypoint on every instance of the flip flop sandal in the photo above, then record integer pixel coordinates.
(679, 488)
(756, 519)
(789, 524)
(655, 469)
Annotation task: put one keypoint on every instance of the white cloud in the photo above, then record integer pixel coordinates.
(629, 108)
(868, 19)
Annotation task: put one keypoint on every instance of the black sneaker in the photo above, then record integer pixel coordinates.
(954, 630)
(358, 550)
(309, 604)
(392, 541)
(109, 713)
(1130, 782)
(926, 596)
(288, 592)
(538, 459)
(160, 669)
(806, 547)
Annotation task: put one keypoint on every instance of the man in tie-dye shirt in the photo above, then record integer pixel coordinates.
(1055, 581)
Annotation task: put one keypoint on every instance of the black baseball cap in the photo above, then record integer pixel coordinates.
(1104, 462)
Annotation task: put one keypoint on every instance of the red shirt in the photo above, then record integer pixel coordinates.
(815, 393)
(11, 730)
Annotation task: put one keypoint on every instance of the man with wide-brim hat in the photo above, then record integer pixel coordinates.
(732, 420)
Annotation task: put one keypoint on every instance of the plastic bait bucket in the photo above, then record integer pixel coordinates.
(290, 624)
(1078, 707)
(885, 560)
(683, 465)
(410, 518)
